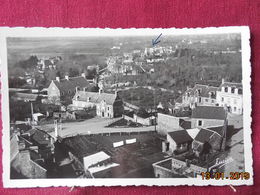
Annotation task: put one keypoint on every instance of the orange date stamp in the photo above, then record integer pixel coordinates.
(222, 176)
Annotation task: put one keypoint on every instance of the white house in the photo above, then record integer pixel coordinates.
(230, 95)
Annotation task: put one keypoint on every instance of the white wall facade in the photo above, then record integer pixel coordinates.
(233, 101)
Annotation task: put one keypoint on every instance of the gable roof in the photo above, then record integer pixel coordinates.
(209, 112)
(71, 83)
(95, 97)
(204, 135)
(204, 90)
(218, 129)
(181, 136)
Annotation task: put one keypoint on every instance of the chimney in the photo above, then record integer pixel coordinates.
(83, 75)
(58, 79)
(67, 77)
(223, 81)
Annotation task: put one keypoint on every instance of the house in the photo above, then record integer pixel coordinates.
(230, 95)
(31, 151)
(177, 142)
(106, 104)
(209, 139)
(65, 89)
(208, 116)
(172, 167)
(202, 95)
(168, 123)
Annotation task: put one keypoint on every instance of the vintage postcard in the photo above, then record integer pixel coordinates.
(119, 107)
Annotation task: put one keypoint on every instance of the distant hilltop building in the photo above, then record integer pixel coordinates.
(228, 95)
(61, 89)
(107, 105)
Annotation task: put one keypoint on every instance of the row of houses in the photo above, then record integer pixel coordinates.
(228, 95)
(201, 134)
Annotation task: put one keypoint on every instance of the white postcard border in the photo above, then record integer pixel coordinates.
(85, 32)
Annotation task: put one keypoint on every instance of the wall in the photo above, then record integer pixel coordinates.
(232, 100)
(82, 104)
(167, 123)
(206, 122)
(172, 144)
(53, 92)
(37, 170)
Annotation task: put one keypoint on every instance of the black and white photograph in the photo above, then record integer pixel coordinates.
(126, 107)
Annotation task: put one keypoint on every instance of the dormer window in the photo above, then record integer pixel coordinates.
(198, 91)
(233, 90)
(211, 94)
(226, 89)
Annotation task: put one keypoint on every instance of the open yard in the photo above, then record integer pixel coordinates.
(91, 126)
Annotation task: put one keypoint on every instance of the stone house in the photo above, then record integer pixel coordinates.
(208, 116)
(107, 105)
(65, 89)
(230, 95)
(177, 142)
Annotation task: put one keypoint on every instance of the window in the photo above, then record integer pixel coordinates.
(235, 109)
(167, 146)
(233, 90)
(199, 99)
(240, 91)
(222, 99)
(199, 122)
(107, 108)
(206, 100)
(69, 92)
(226, 89)
(212, 101)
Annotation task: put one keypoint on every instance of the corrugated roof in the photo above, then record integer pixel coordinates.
(94, 97)
(95, 158)
(181, 136)
(209, 112)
